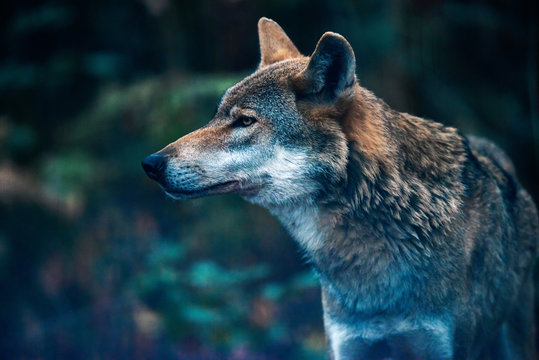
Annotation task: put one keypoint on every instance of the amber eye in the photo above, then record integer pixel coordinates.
(245, 121)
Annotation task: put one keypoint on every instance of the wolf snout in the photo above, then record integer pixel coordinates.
(154, 166)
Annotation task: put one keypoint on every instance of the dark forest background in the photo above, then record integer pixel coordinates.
(95, 261)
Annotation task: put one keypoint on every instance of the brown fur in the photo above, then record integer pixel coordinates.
(423, 239)
(274, 44)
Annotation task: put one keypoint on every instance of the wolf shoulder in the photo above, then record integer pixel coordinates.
(495, 175)
(493, 152)
(491, 162)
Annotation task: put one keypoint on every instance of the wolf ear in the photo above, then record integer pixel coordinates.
(331, 69)
(274, 43)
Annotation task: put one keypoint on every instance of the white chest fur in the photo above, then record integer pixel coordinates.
(304, 223)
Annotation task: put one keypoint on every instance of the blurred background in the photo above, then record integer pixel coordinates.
(95, 261)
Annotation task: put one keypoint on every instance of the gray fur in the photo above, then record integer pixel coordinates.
(423, 239)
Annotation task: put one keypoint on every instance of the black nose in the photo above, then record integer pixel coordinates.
(154, 166)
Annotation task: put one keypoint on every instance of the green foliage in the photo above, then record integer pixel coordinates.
(215, 302)
(69, 172)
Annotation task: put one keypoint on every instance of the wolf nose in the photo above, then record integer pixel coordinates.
(154, 165)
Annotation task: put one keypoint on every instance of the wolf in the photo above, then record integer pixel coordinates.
(422, 238)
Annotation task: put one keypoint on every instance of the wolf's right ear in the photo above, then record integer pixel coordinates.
(331, 69)
(275, 45)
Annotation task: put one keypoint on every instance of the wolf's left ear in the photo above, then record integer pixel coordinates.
(331, 69)
(275, 45)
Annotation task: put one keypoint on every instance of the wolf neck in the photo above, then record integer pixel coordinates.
(402, 185)
(402, 169)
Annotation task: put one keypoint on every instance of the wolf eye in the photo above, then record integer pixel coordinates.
(245, 121)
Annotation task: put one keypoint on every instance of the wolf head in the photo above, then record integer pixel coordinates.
(276, 137)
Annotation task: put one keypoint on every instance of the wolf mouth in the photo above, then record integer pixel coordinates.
(226, 187)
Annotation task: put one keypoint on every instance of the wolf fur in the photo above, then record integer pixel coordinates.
(423, 239)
